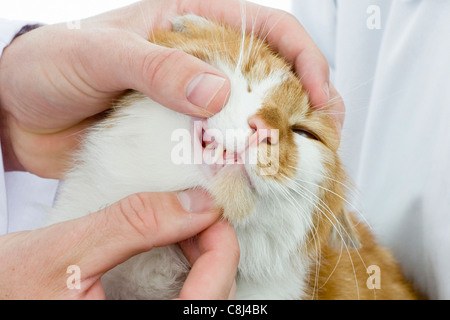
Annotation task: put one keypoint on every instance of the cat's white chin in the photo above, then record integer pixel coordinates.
(239, 200)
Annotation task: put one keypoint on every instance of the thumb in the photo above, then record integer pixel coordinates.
(177, 80)
(141, 222)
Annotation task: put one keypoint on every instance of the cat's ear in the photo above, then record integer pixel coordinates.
(344, 232)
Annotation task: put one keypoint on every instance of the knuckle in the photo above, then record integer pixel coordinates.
(158, 63)
(136, 202)
(139, 214)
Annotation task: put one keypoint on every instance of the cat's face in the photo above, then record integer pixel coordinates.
(267, 145)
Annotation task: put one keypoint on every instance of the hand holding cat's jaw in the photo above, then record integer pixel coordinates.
(98, 242)
(160, 219)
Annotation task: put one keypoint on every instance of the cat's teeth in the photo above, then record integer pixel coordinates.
(210, 146)
(218, 151)
(218, 154)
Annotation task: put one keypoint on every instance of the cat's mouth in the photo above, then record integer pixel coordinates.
(215, 158)
(230, 184)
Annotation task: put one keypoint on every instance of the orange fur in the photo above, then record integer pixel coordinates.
(344, 274)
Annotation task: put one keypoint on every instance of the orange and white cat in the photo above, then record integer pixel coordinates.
(268, 159)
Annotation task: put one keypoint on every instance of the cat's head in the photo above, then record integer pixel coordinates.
(268, 147)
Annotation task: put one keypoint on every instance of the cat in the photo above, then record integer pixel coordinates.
(269, 160)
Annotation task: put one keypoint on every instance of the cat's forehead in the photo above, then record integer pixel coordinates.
(270, 81)
(256, 72)
(278, 91)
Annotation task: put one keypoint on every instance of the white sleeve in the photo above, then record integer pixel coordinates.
(318, 17)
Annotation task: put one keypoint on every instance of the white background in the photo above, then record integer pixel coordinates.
(53, 11)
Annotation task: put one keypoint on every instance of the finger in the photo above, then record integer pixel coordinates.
(215, 263)
(136, 224)
(191, 249)
(232, 295)
(312, 68)
(171, 77)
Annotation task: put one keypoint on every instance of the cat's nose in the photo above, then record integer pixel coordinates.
(261, 132)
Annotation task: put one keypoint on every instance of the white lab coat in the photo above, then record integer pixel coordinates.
(390, 60)
(396, 138)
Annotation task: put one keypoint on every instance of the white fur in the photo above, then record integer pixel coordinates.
(271, 237)
(132, 154)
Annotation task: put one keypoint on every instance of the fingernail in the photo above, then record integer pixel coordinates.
(195, 200)
(203, 89)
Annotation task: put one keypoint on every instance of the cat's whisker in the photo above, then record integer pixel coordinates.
(302, 193)
(329, 103)
(270, 30)
(148, 27)
(78, 133)
(340, 234)
(307, 220)
(317, 246)
(226, 98)
(260, 32)
(252, 35)
(320, 202)
(338, 229)
(242, 50)
(349, 188)
(340, 197)
(352, 191)
(335, 265)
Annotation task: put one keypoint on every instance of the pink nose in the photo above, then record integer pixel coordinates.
(262, 132)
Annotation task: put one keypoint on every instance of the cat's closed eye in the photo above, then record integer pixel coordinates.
(305, 133)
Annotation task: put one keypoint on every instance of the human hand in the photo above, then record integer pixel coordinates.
(215, 249)
(34, 263)
(54, 81)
